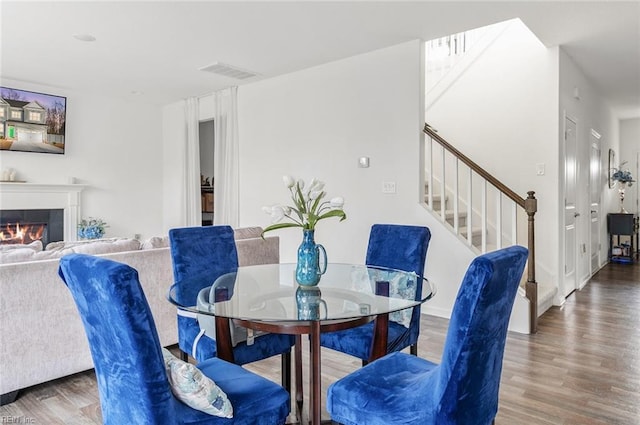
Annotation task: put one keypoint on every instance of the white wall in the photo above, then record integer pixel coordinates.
(502, 112)
(630, 151)
(114, 146)
(174, 142)
(317, 123)
(591, 112)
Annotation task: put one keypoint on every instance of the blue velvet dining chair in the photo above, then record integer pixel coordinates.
(200, 255)
(130, 370)
(463, 388)
(399, 247)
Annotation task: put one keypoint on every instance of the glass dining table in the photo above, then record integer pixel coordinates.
(266, 298)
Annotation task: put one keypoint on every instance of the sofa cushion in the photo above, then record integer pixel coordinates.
(17, 255)
(247, 232)
(107, 247)
(254, 251)
(95, 246)
(155, 242)
(60, 245)
(35, 246)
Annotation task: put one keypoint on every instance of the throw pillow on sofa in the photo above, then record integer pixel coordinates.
(194, 389)
(95, 246)
(17, 255)
(60, 245)
(155, 242)
(35, 246)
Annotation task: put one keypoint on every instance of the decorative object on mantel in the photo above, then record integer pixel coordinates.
(9, 175)
(93, 228)
(309, 208)
(622, 178)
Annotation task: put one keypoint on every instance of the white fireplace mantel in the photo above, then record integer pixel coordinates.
(31, 196)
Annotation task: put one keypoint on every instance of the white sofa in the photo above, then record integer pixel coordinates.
(41, 334)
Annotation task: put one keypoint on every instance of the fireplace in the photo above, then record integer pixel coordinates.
(26, 226)
(34, 198)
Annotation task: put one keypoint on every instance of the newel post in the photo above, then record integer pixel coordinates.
(531, 288)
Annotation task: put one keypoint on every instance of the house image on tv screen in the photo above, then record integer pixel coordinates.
(31, 124)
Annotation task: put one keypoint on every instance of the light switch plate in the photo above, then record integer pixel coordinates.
(388, 187)
(363, 162)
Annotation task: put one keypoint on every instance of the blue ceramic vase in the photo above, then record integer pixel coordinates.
(308, 269)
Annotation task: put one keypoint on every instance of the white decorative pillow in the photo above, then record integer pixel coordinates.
(100, 246)
(194, 389)
(17, 255)
(35, 245)
(60, 245)
(155, 242)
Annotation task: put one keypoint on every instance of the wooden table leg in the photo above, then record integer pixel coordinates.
(380, 327)
(316, 390)
(380, 337)
(223, 340)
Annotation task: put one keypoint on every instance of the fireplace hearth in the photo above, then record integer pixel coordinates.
(28, 225)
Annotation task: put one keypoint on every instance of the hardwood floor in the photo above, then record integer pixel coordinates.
(581, 368)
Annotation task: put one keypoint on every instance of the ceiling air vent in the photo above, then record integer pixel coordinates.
(228, 71)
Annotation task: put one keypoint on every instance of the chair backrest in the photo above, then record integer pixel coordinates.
(124, 343)
(200, 255)
(471, 366)
(401, 247)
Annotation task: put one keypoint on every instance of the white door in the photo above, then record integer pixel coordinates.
(570, 211)
(595, 191)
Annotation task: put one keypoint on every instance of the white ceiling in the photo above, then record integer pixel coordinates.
(157, 47)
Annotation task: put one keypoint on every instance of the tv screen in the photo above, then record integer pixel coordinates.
(32, 122)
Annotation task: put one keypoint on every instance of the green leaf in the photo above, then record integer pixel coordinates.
(301, 205)
(333, 213)
(279, 226)
(314, 208)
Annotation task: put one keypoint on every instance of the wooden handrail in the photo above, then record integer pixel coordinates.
(475, 167)
(530, 205)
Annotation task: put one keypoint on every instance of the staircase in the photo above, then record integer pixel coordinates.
(480, 210)
(450, 216)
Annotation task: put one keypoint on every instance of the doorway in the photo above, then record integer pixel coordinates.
(206, 138)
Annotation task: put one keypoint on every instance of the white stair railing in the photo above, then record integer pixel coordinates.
(477, 207)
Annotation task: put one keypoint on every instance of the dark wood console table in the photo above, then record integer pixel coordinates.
(622, 224)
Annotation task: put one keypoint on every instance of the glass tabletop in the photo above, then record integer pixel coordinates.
(270, 293)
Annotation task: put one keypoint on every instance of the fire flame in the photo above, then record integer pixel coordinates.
(21, 234)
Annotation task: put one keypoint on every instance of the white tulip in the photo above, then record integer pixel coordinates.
(315, 194)
(337, 202)
(288, 181)
(315, 185)
(277, 213)
(312, 183)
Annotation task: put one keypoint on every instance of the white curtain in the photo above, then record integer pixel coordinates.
(192, 202)
(226, 175)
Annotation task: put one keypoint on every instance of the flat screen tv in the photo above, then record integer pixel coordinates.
(32, 122)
